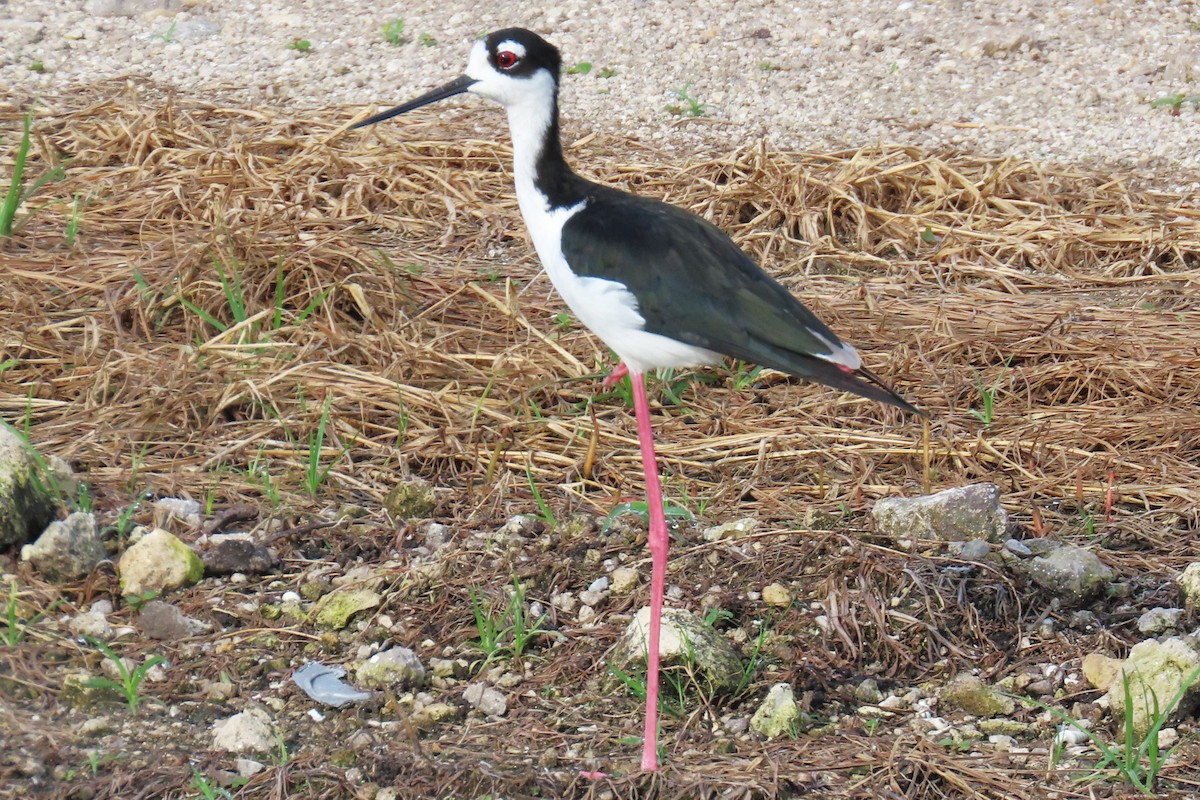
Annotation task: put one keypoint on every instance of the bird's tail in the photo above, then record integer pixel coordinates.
(860, 381)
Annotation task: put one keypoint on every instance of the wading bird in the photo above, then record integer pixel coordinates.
(659, 285)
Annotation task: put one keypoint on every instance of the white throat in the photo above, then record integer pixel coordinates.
(529, 102)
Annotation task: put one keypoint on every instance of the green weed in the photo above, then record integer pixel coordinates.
(545, 513)
(73, 222)
(716, 615)
(393, 32)
(745, 375)
(425, 40)
(509, 634)
(299, 45)
(235, 299)
(688, 106)
(138, 601)
(750, 668)
(130, 679)
(207, 790)
(17, 195)
(1175, 102)
(314, 473)
(168, 35)
(1136, 762)
(582, 68)
(642, 509)
(987, 398)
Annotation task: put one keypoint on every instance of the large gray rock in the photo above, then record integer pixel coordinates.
(955, 515)
(28, 499)
(1070, 573)
(684, 641)
(67, 549)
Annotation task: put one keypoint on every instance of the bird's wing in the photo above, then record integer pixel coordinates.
(693, 284)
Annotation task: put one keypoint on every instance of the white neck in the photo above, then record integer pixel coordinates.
(528, 121)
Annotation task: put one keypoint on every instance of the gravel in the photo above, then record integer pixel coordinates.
(1068, 82)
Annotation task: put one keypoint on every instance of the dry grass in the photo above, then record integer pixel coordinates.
(436, 342)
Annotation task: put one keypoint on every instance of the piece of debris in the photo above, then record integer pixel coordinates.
(26, 495)
(1100, 671)
(182, 509)
(91, 625)
(429, 716)
(1189, 584)
(325, 685)
(1160, 620)
(731, 530)
(412, 499)
(776, 595)
(624, 580)
(230, 553)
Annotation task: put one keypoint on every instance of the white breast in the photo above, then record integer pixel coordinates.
(605, 306)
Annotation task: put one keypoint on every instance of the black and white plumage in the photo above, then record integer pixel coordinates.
(659, 285)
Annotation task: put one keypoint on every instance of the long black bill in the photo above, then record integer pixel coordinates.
(456, 86)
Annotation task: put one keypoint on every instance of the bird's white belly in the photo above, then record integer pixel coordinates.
(605, 306)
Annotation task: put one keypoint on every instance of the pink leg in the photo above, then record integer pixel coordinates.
(615, 376)
(658, 555)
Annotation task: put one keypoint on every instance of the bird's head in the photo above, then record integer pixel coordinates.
(513, 67)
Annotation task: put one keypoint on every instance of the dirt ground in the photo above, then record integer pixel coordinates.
(247, 296)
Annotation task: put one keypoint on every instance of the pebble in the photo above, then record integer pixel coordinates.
(590, 598)
(776, 595)
(624, 580)
(1160, 620)
(486, 700)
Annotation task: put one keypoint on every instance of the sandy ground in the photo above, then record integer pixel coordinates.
(1064, 82)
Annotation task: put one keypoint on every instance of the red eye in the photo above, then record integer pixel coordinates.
(506, 59)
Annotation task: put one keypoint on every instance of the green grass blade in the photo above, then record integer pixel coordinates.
(14, 195)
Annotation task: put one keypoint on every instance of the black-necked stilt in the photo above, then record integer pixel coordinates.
(661, 286)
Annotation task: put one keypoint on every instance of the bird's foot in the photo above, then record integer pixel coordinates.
(616, 376)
